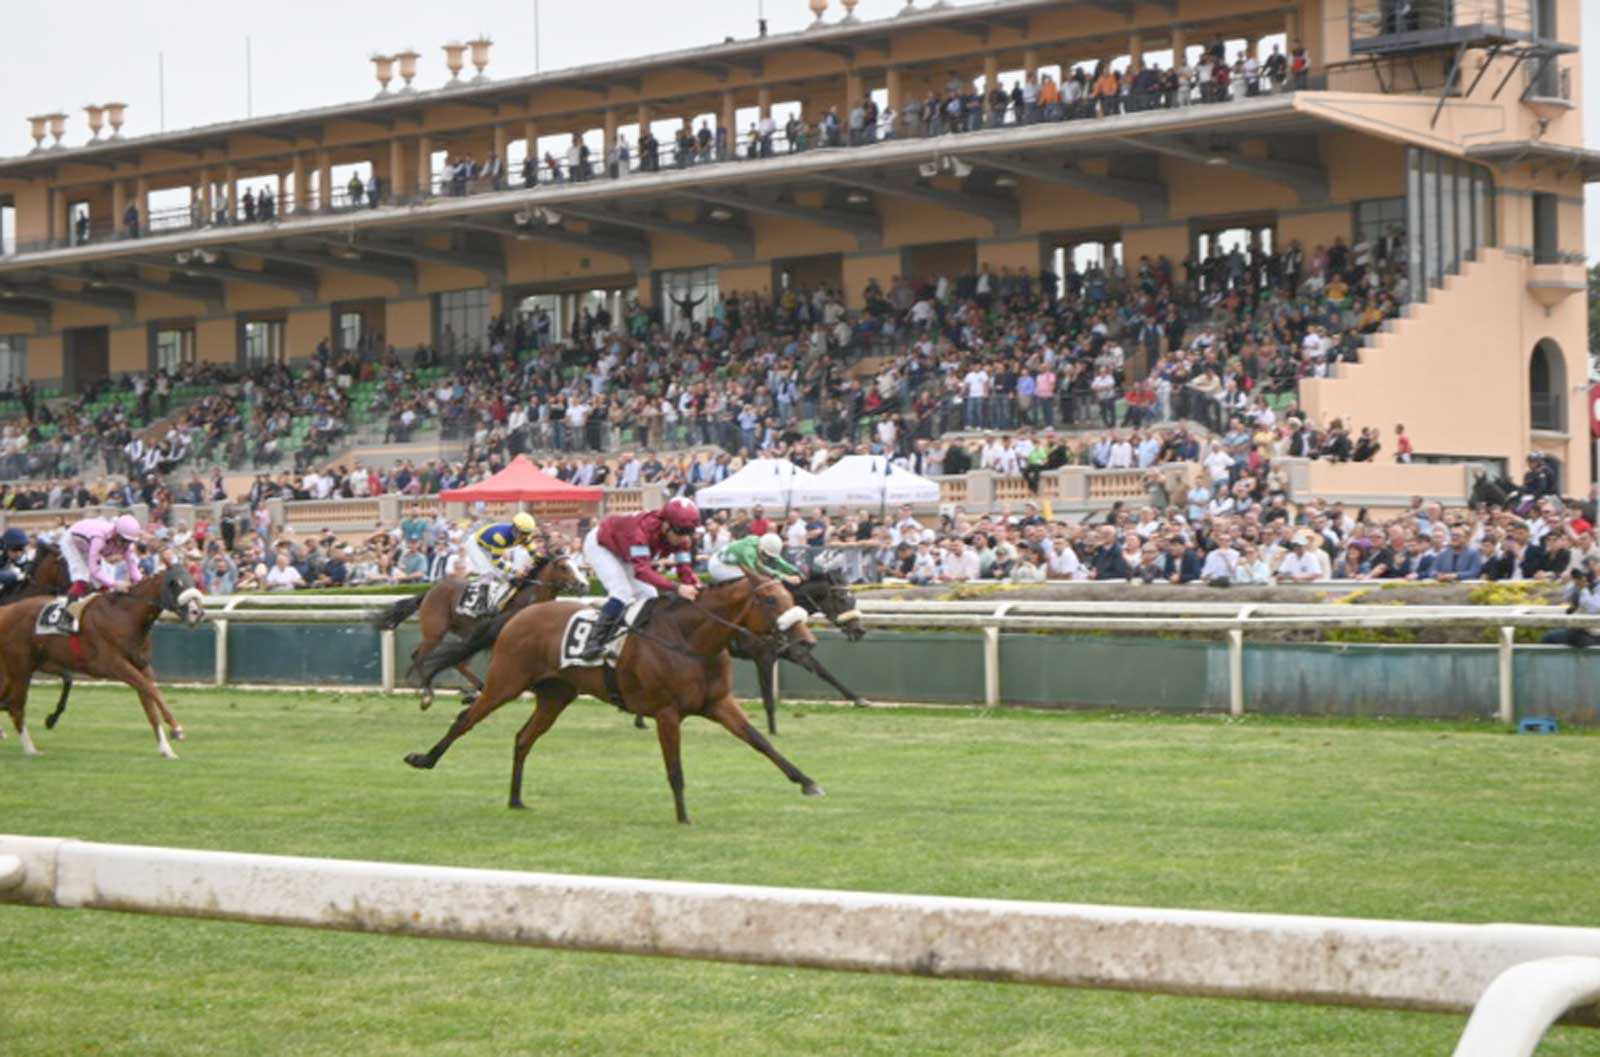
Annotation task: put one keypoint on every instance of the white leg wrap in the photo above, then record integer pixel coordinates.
(792, 616)
(27, 743)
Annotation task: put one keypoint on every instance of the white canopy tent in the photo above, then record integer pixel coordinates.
(764, 482)
(866, 480)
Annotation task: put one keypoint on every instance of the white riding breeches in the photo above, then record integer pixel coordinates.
(614, 573)
(721, 572)
(77, 562)
(479, 562)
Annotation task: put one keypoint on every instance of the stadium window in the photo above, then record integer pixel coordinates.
(1547, 384)
(171, 346)
(13, 359)
(1378, 217)
(462, 318)
(263, 342)
(1546, 230)
(8, 227)
(688, 292)
(78, 221)
(350, 324)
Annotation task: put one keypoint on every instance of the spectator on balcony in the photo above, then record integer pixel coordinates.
(130, 220)
(1300, 67)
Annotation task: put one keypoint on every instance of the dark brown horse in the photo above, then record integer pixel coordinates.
(436, 609)
(676, 666)
(113, 642)
(46, 575)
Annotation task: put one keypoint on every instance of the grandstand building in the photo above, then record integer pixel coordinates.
(1454, 124)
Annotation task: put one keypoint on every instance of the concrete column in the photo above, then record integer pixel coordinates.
(852, 89)
(500, 143)
(277, 200)
(729, 119)
(530, 133)
(1135, 52)
(424, 164)
(58, 214)
(892, 86)
(611, 132)
(141, 197)
(1030, 61)
(1291, 28)
(119, 202)
(764, 100)
(1180, 44)
(202, 193)
(325, 180)
(991, 71)
(397, 168)
(231, 176)
(299, 173)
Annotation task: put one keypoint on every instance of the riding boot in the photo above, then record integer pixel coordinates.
(604, 628)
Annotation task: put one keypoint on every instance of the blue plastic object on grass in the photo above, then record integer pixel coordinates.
(1538, 725)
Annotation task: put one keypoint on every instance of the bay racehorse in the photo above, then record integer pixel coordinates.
(46, 574)
(822, 593)
(112, 642)
(451, 640)
(677, 665)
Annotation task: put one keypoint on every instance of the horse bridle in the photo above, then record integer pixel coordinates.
(786, 620)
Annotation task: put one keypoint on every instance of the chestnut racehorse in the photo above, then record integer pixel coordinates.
(436, 609)
(677, 665)
(113, 642)
(47, 575)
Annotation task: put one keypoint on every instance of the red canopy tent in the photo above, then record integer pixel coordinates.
(523, 482)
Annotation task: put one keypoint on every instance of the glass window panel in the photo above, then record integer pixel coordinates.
(13, 359)
(1414, 221)
(1466, 239)
(1430, 218)
(463, 322)
(263, 342)
(1448, 260)
(690, 294)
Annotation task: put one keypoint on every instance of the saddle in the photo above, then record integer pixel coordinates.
(61, 616)
(483, 598)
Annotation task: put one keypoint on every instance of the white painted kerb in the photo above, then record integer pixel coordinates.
(1399, 965)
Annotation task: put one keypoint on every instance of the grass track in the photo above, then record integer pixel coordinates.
(1371, 820)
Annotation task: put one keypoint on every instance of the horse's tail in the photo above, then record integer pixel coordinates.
(397, 614)
(453, 649)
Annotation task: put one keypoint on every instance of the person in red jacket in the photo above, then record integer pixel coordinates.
(622, 549)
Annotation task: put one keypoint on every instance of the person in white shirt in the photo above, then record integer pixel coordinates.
(284, 576)
(1298, 566)
(1222, 562)
(1121, 455)
(794, 533)
(960, 563)
(1064, 565)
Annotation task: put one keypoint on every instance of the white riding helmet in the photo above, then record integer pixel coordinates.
(772, 545)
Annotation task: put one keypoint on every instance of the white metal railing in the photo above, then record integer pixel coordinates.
(1230, 620)
(1521, 978)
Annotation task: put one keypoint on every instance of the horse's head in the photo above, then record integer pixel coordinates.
(827, 593)
(180, 596)
(773, 612)
(562, 574)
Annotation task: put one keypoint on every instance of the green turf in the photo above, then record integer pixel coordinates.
(1410, 821)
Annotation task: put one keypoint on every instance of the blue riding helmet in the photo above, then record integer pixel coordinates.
(13, 539)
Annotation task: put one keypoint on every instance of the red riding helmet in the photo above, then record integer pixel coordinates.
(682, 515)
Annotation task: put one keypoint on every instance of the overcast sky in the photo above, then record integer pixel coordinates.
(310, 53)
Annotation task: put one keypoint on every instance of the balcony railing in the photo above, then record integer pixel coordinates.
(920, 120)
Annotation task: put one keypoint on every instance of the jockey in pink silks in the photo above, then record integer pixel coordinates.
(86, 544)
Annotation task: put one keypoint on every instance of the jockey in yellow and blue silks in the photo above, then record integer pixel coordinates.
(499, 551)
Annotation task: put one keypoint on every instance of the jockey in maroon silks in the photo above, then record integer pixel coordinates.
(621, 550)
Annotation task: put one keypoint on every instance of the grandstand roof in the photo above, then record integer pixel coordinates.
(522, 482)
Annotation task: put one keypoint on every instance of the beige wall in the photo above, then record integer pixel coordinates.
(410, 323)
(862, 268)
(130, 349)
(1455, 370)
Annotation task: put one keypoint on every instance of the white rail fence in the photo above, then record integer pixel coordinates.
(1232, 620)
(1516, 980)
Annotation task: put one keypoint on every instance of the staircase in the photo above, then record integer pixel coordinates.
(1445, 368)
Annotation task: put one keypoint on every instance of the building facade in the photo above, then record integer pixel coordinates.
(1455, 122)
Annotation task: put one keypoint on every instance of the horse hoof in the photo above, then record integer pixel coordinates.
(424, 703)
(178, 734)
(862, 702)
(812, 789)
(420, 761)
(517, 805)
(469, 699)
(49, 723)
